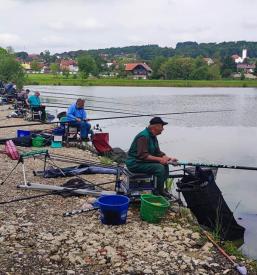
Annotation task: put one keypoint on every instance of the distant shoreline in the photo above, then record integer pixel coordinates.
(44, 79)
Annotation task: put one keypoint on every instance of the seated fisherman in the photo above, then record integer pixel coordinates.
(145, 156)
(77, 117)
(23, 96)
(35, 105)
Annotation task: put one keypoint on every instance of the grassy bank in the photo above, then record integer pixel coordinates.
(48, 79)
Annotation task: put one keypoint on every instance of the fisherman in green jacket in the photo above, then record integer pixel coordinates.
(145, 156)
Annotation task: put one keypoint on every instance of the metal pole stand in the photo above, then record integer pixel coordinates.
(21, 160)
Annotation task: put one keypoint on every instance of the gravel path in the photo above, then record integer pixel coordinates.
(35, 238)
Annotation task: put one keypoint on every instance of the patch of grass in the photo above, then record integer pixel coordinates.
(232, 249)
(49, 79)
(106, 161)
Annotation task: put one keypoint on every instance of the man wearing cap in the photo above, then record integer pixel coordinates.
(145, 156)
(35, 105)
(77, 116)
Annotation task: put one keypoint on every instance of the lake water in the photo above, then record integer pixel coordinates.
(222, 137)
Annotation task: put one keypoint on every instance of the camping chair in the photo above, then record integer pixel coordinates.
(70, 132)
(33, 114)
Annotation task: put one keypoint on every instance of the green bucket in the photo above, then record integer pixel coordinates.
(38, 141)
(153, 208)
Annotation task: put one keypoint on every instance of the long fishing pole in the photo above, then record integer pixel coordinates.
(120, 117)
(60, 93)
(213, 165)
(93, 109)
(102, 107)
(240, 268)
(76, 96)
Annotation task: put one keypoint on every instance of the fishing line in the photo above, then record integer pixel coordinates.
(111, 108)
(95, 110)
(88, 99)
(120, 117)
(60, 93)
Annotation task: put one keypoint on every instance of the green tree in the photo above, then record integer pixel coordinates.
(10, 69)
(255, 70)
(177, 68)
(46, 56)
(242, 77)
(22, 55)
(35, 66)
(121, 70)
(10, 50)
(156, 65)
(54, 67)
(214, 72)
(87, 65)
(200, 73)
(228, 67)
(65, 73)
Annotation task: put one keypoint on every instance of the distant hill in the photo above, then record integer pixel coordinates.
(149, 52)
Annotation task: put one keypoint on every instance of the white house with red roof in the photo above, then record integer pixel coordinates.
(138, 70)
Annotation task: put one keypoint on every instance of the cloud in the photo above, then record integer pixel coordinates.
(8, 39)
(57, 25)
(87, 24)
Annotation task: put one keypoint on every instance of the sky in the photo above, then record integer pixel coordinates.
(64, 25)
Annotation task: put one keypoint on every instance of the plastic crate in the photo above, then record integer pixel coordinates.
(23, 133)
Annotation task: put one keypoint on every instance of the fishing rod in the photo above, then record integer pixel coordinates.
(213, 165)
(60, 93)
(90, 106)
(240, 268)
(76, 96)
(93, 100)
(92, 109)
(120, 117)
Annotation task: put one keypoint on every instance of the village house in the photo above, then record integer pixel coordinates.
(246, 68)
(208, 61)
(69, 65)
(138, 70)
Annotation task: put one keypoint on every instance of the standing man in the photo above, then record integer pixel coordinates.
(35, 105)
(77, 116)
(145, 156)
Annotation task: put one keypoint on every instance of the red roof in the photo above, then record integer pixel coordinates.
(132, 66)
(235, 56)
(68, 62)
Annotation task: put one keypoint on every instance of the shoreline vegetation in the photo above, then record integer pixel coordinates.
(49, 79)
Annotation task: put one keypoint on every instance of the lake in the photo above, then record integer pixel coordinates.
(223, 137)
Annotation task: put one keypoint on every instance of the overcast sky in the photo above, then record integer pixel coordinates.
(64, 25)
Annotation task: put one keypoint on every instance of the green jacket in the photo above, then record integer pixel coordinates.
(152, 147)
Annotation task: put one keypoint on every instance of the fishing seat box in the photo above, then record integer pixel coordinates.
(137, 182)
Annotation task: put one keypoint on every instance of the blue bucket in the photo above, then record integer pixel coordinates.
(113, 209)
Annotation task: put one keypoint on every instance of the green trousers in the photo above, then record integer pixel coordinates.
(159, 170)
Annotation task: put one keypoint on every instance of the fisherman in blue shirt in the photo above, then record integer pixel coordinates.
(77, 116)
(35, 105)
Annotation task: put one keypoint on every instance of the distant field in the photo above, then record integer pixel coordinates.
(48, 79)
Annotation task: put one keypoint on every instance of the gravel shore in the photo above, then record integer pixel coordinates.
(35, 238)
